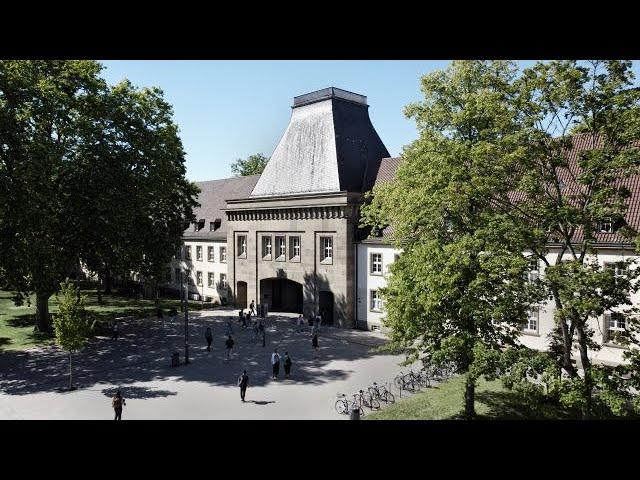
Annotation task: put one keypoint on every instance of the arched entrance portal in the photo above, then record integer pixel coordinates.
(281, 294)
(325, 307)
(241, 294)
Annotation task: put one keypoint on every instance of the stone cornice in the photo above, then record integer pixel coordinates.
(322, 212)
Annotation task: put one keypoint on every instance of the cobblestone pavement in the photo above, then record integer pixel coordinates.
(138, 364)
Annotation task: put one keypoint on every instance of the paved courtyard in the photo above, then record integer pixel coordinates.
(138, 364)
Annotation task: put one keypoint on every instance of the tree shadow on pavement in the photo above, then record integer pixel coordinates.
(137, 392)
(143, 351)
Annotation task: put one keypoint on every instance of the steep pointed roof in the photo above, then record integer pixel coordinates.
(329, 145)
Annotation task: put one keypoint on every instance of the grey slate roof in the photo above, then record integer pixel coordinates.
(212, 199)
(329, 145)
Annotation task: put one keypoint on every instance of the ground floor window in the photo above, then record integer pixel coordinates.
(199, 278)
(615, 326)
(223, 280)
(376, 301)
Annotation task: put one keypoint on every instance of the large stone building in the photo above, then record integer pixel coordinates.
(289, 238)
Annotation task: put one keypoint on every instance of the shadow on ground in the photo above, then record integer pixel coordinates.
(139, 392)
(143, 354)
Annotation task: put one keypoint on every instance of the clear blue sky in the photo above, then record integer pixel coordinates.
(231, 109)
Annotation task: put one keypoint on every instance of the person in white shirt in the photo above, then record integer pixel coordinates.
(275, 362)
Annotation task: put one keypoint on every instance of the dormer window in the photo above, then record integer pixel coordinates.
(606, 225)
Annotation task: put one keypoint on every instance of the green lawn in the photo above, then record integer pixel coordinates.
(16, 323)
(446, 402)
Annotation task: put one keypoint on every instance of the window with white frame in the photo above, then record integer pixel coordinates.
(210, 279)
(294, 248)
(281, 248)
(199, 253)
(606, 225)
(531, 325)
(326, 249)
(188, 252)
(619, 268)
(223, 254)
(376, 301)
(210, 255)
(615, 326)
(267, 247)
(199, 278)
(375, 264)
(242, 245)
(223, 280)
(533, 272)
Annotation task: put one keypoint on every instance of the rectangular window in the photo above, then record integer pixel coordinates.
(294, 248)
(533, 270)
(210, 279)
(188, 252)
(376, 264)
(242, 246)
(615, 325)
(223, 280)
(199, 254)
(376, 301)
(326, 249)
(177, 274)
(396, 257)
(531, 324)
(266, 247)
(210, 254)
(606, 225)
(187, 274)
(199, 278)
(223, 254)
(281, 248)
(619, 268)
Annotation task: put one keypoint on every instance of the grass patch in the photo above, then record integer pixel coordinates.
(446, 402)
(16, 323)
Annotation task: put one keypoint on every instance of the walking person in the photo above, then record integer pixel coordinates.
(300, 323)
(252, 307)
(287, 364)
(241, 316)
(229, 344)
(208, 335)
(247, 320)
(117, 402)
(243, 381)
(115, 331)
(275, 363)
(314, 344)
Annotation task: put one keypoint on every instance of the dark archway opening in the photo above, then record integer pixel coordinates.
(281, 294)
(241, 294)
(325, 307)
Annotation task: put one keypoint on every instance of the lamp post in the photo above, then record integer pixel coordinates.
(186, 320)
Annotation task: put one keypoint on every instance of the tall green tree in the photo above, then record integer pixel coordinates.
(591, 107)
(88, 173)
(71, 326)
(252, 165)
(457, 292)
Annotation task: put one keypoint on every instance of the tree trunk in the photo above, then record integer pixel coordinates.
(567, 344)
(43, 322)
(107, 282)
(586, 365)
(70, 373)
(469, 398)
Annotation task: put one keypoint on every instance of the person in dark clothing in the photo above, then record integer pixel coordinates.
(117, 402)
(314, 344)
(243, 381)
(229, 344)
(252, 307)
(115, 331)
(173, 313)
(241, 316)
(208, 335)
(287, 364)
(275, 363)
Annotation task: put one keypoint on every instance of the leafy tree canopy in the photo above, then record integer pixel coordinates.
(252, 165)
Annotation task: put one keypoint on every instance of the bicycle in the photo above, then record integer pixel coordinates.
(365, 400)
(381, 392)
(343, 406)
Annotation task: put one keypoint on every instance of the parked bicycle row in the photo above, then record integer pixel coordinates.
(414, 381)
(372, 398)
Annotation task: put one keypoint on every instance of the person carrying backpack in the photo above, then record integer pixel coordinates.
(229, 344)
(208, 335)
(243, 381)
(117, 402)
